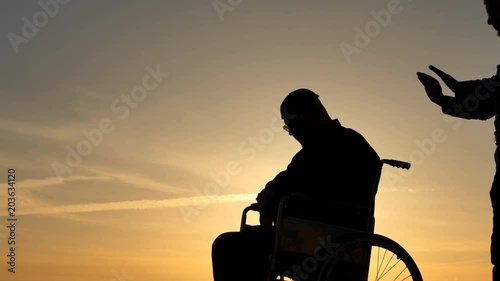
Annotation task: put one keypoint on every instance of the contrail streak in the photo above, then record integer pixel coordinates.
(140, 204)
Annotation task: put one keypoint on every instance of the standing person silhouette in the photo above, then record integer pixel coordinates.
(322, 169)
(475, 99)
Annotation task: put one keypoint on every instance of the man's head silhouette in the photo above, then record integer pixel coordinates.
(493, 10)
(303, 114)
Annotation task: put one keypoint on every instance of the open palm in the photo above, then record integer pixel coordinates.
(432, 87)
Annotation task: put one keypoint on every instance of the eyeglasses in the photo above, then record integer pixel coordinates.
(291, 125)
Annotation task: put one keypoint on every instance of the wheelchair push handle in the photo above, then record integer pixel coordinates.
(396, 163)
(251, 207)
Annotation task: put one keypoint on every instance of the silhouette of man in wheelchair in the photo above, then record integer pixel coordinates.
(334, 173)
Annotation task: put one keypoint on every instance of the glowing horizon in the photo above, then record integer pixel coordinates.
(139, 131)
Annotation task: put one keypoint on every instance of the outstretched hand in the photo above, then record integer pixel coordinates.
(432, 87)
(450, 82)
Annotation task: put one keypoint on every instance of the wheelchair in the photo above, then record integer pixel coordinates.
(317, 242)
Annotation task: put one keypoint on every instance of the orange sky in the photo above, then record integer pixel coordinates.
(140, 130)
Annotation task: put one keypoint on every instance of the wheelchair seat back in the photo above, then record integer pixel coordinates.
(307, 229)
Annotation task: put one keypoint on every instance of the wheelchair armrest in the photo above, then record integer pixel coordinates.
(325, 203)
(251, 207)
(317, 209)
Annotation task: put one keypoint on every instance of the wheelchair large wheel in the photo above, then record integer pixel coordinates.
(369, 257)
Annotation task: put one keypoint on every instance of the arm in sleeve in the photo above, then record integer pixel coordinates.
(286, 181)
(474, 99)
(293, 179)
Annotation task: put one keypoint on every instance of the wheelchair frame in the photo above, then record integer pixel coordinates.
(347, 235)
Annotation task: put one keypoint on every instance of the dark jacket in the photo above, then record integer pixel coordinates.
(339, 164)
(476, 99)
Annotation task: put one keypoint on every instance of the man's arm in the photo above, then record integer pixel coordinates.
(474, 99)
(284, 183)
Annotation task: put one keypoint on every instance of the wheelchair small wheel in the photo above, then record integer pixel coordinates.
(369, 257)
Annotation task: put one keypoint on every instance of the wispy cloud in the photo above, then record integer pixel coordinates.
(61, 133)
(28, 190)
(141, 181)
(51, 181)
(139, 204)
(401, 189)
(460, 262)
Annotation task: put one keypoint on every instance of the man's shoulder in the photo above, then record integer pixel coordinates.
(350, 133)
(353, 138)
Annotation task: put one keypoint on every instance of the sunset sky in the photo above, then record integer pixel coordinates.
(139, 130)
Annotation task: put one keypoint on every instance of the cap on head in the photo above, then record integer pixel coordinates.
(297, 102)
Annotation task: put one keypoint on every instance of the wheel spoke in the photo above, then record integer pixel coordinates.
(406, 277)
(378, 258)
(398, 260)
(401, 272)
(379, 266)
(392, 263)
(385, 272)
